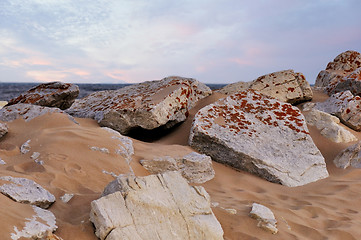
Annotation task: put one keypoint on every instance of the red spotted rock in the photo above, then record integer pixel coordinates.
(255, 133)
(345, 106)
(147, 105)
(286, 86)
(351, 82)
(337, 70)
(53, 94)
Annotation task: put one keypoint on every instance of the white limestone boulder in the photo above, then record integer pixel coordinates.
(52, 94)
(195, 167)
(26, 191)
(265, 217)
(161, 206)
(350, 157)
(3, 129)
(27, 112)
(39, 226)
(261, 135)
(147, 105)
(345, 106)
(286, 86)
(329, 126)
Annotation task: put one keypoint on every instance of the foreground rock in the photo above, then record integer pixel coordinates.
(286, 86)
(345, 106)
(340, 67)
(159, 206)
(264, 136)
(351, 156)
(39, 226)
(195, 167)
(329, 126)
(147, 105)
(26, 191)
(265, 217)
(27, 112)
(53, 94)
(3, 129)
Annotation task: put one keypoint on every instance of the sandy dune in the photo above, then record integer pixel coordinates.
(327, 209)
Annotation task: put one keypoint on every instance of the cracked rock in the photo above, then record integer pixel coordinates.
(161, 206)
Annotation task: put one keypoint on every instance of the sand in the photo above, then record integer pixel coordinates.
(327, 209)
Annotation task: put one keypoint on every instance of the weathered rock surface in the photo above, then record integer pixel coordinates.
(27, 112)
(195, 167)
(351, 156)
(265, 217)
(146, 105)
(26, 191)
(264, 136)
(37, 227)
(3, 129)
(53, 94)
(345, 106)
(329, 126)
(286, 86)
(351, 82)
(342, 65)
(161, 206)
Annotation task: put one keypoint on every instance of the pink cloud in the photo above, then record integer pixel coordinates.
(240, 61)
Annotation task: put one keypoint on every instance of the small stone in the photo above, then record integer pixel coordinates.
(265, 217)
(26, 191)
(102, 150)
(3, 129)
(35, 155)
(25, 148)
(231, 211)
(2, 162)
(66, 197)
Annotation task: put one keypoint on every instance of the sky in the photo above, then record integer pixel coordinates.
(213, 41)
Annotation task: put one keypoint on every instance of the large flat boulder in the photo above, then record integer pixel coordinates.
(25, 191)
(345, 106)
(27, 112)
(286, 86)
(147, 105)
(195, 167)
(53, 94)
(262, 135)
(161, 206)
(340, 67)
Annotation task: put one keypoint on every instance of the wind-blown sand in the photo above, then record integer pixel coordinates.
(327, 209)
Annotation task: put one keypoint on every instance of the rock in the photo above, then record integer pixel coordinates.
(2, 162)
(2, 104)
(286, 86)
(351, 82)
(26, 191)
(265, 217)
(345, 106)
(261, 135)
(147, 105)
(351, 156)
(3, 129)
(53, 94)
(25, 148)
(99, 149)
(39, 226)
(195, 167)
(161, 206)
(27, 112)
(329, 126)
(342, 65)
(66, 197)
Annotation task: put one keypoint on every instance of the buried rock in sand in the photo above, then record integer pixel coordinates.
(265, 217)
(261, 135)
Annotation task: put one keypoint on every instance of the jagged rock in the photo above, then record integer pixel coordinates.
(351, 156)
(161, 206)
(195, 167)
(27, 112)
(147, 105)
(345, 106)
(39, 226)
(351, 82)
(25, 148)
(53, 94)
(3, 129)
(342, 65)
(26, 191)
(286, 86)
(329, 126)
(265, 217)
(261, 135)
